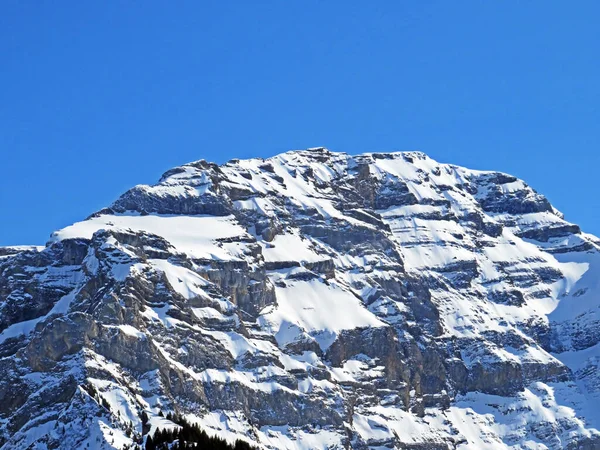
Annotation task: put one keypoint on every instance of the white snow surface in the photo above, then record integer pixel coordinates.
(316, 308)
(192, 235)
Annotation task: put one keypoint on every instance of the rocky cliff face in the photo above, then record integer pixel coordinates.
(311, 300)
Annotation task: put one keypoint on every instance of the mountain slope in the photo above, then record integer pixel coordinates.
(309, 300)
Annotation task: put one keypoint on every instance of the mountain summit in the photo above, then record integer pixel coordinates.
(312, 300)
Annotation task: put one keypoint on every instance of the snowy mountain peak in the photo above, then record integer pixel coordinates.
(313, 299)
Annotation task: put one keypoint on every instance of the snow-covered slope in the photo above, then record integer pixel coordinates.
(310, 300)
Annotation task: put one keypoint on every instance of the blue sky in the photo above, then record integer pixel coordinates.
(99, 96)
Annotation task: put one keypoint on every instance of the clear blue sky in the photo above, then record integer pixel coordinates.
(99, 96)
